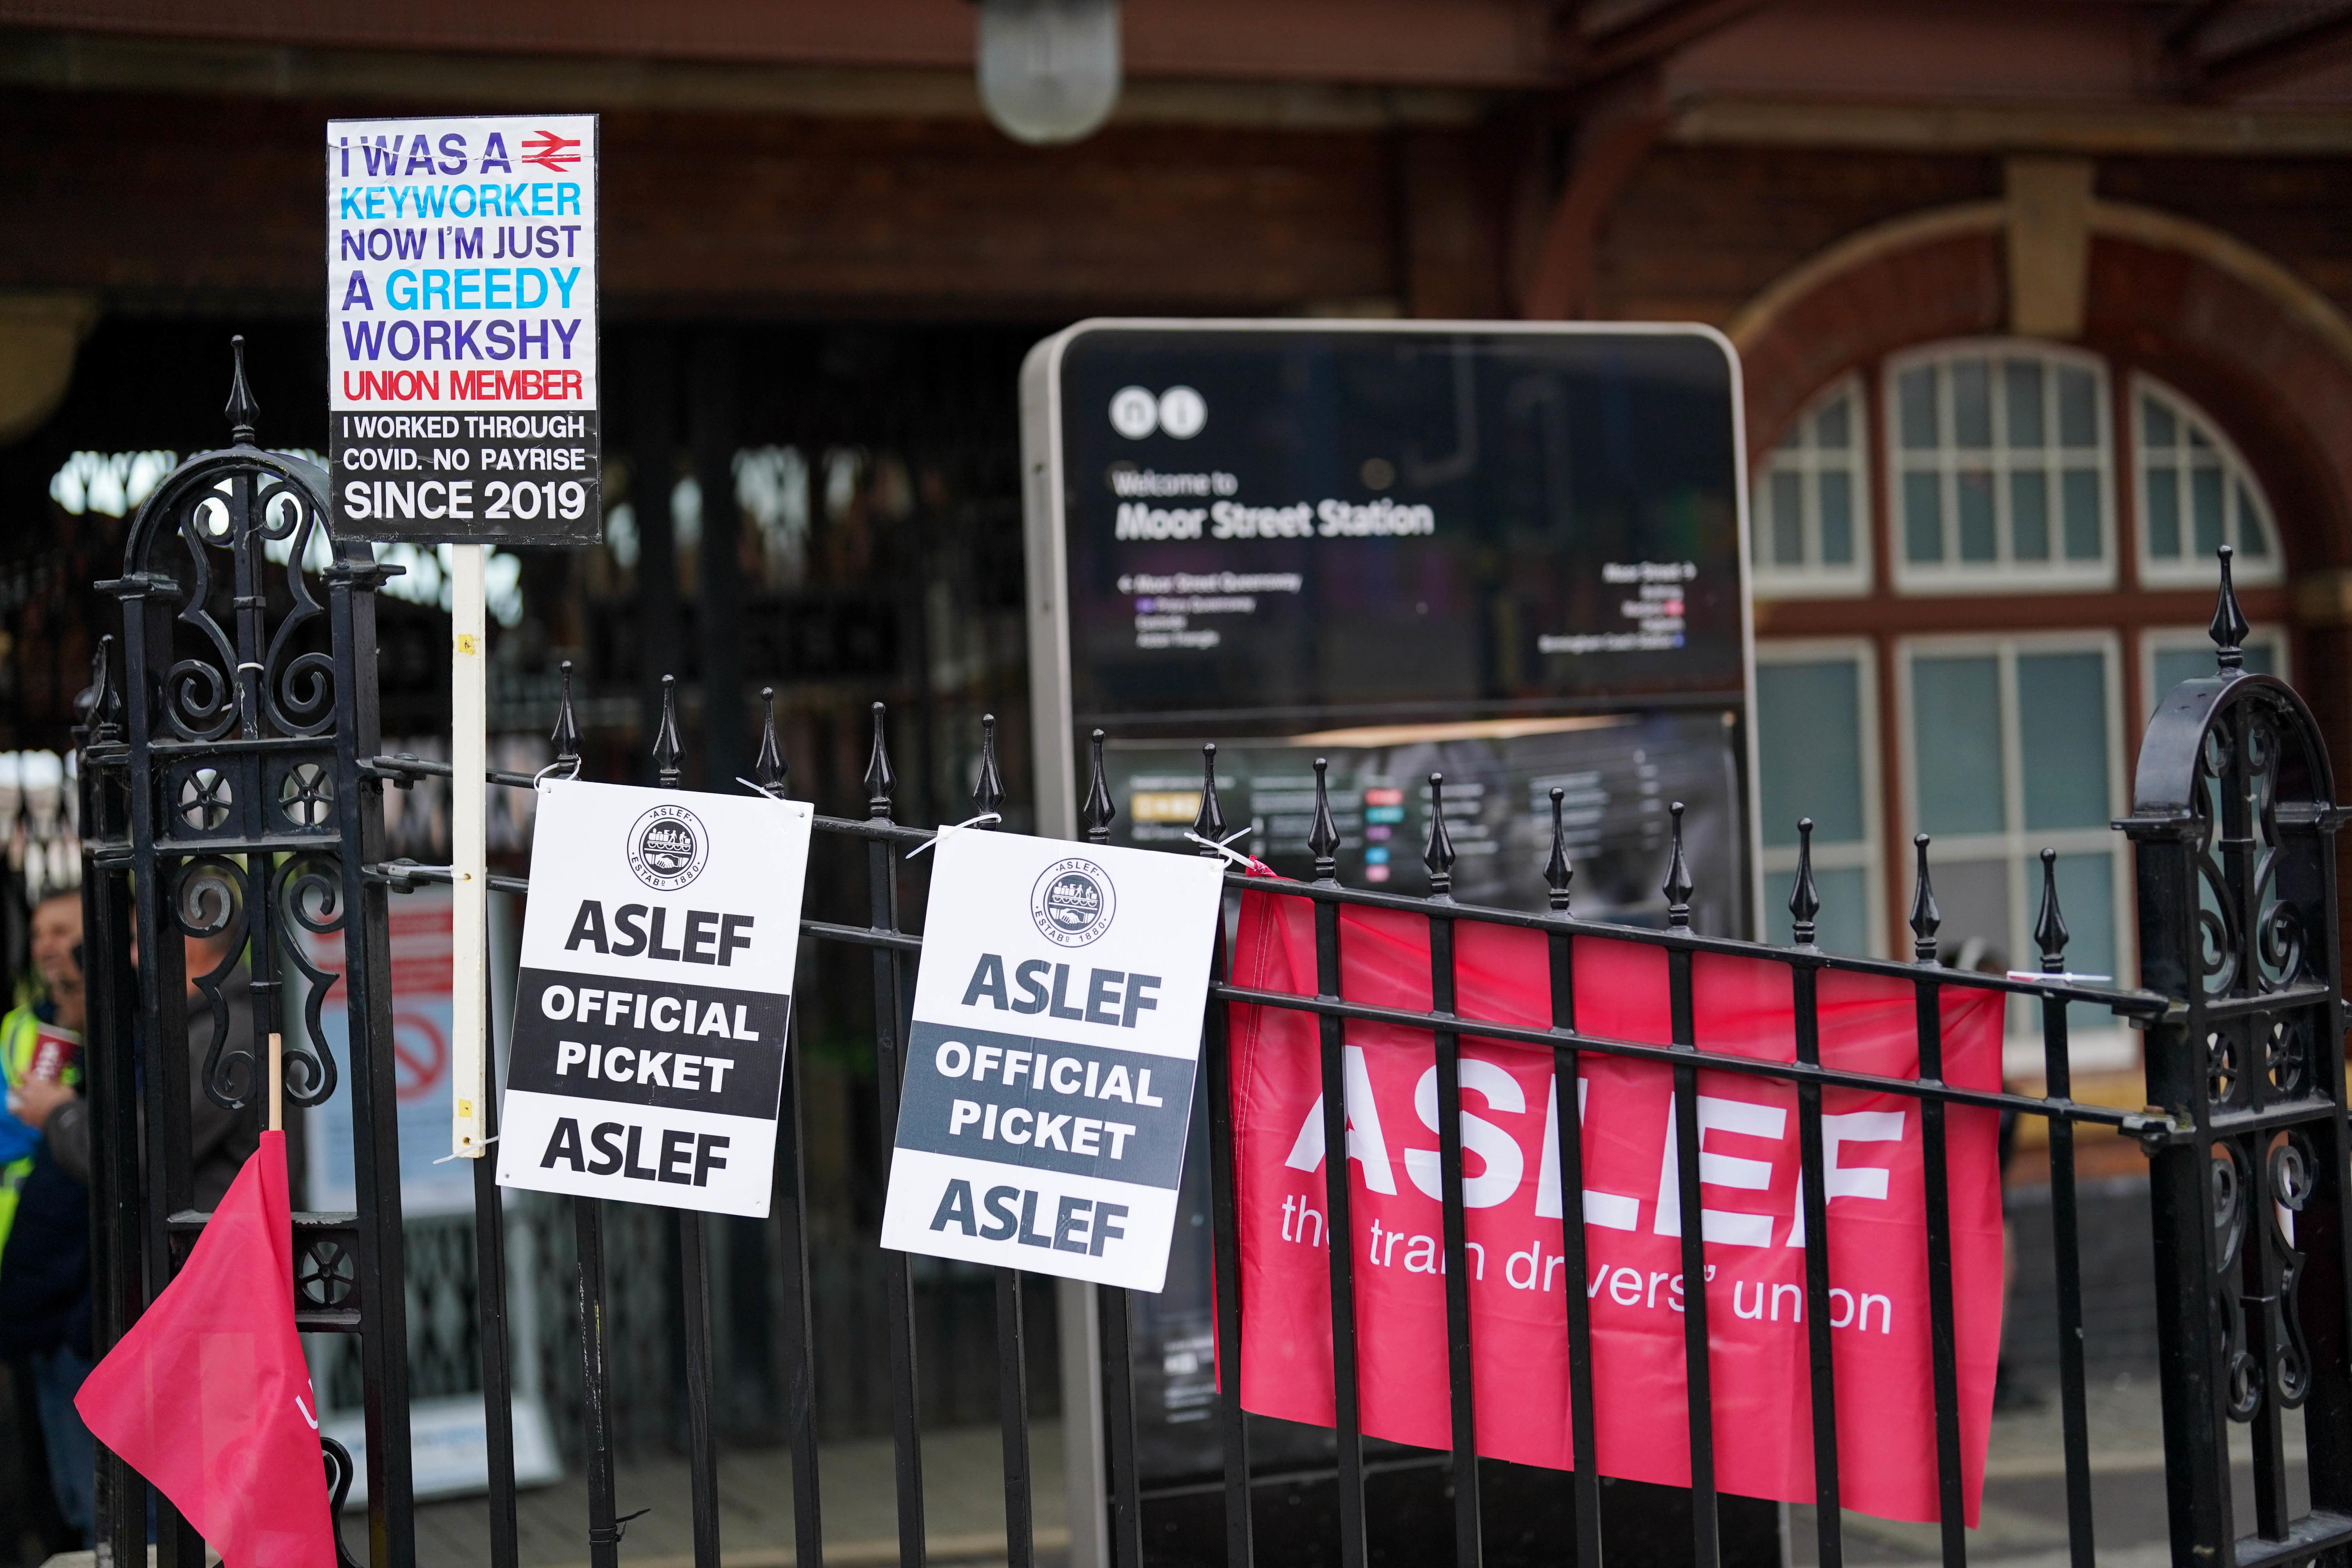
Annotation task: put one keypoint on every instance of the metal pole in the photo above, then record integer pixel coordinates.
(468, 844)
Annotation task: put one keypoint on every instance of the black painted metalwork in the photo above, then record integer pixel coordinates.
(1111, 1305)
(230, 815)
(232, 775)
(2234, 822)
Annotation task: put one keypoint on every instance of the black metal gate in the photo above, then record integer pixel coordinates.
(233, 795)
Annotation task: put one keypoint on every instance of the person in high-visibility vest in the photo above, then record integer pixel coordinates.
(44, 1210)
(56, 936)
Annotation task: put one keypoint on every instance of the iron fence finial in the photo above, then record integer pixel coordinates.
(878, 777)
(988, 790)
(1804, 898)
(1558, 872)
(567, 724)
(244, 413)
(666, 749)
(1438, 853)
(769, 768)
(2228, 630)
(1209, 822)
(1924, 916)
(1679, 887)
(1095, 816)
(105, 715)
(2050, 929)
(1323, 836)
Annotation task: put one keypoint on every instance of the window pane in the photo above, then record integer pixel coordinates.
(1788, 518)
(1976, 517)
(2205, 508)
(2078, 423)
(1794, 439)
(2021, 382)
(1809, 750)
(2028, 514)
(2175, 665)
(2079, 489)
(2253, 539)
(1916, 393)
(1843, 923)
(2262, 657)
(1830, 424)
(1837, 518)
(2156, 428)
(1972, 404)
(2163, 513)
(1973, 895)
(1956, 743)
(2061, 735)
(1923, 520)
(2086, 898)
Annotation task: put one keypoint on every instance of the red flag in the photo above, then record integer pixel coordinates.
(208, 1396)
(1757, 1333)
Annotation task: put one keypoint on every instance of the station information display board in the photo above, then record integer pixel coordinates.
(1509, 553)
(1513, 553)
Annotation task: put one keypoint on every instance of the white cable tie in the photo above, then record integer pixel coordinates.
(2063, 977)
(967, 822)
(539, 777)
(249, 664)
(757, 789)
(1225, 846)
(453, 1154)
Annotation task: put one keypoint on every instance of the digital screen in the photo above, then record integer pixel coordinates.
(1305, 523)
(1617, 775)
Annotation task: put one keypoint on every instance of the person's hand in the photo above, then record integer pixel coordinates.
(34, 1103)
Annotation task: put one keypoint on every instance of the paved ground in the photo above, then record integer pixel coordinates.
(2023, 1522)
(2023, 1525)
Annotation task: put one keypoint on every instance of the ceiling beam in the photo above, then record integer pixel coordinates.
(2182, 36)
(2277, 57)
(1656, 33)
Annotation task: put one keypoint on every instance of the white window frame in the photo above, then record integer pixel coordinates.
(2018, 845)
(1813, 579)
(1868, 854)
(2002, 574)
(2191, 570)
(2175, 639)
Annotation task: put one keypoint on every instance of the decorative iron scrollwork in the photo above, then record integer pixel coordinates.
(2290, 1185)
(2286, 1058)
(2223, 1082)
(204, 799)
(307, 892)
(2242, 1374)
(305, 795)
(326, 1279)
(209, 901)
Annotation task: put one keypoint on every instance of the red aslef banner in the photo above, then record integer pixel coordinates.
(1750, 1216)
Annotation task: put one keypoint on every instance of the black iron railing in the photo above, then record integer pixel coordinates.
(234, 776)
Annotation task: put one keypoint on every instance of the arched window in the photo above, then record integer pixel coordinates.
(1999, 457)
(1808, 523)
(2195, 494)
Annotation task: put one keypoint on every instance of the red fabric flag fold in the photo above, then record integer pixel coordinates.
(208, 1395)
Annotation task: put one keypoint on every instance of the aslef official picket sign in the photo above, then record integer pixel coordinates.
(1049, 1068)
(657, 985)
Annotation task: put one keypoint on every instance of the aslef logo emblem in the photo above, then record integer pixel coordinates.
(666, 847)
(1073, 902)
(1180, 412)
